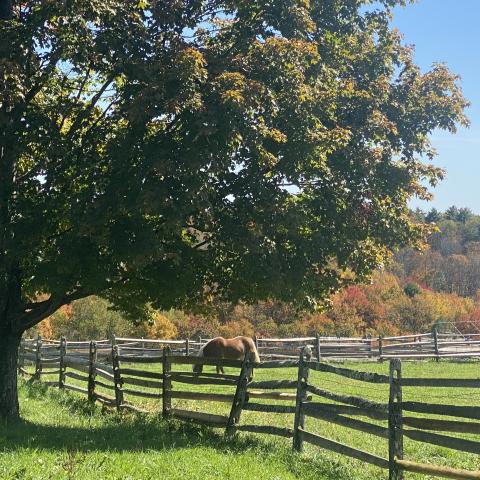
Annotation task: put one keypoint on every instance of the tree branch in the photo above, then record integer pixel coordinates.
(88, 108)
(201, 244)
(77, 97)
(36, 312)
(52, 63)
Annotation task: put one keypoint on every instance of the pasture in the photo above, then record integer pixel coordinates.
(63, 437)
(127, 444)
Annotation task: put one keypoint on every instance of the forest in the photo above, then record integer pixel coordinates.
(417, 290)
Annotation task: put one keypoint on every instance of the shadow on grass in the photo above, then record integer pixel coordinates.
(109, 431)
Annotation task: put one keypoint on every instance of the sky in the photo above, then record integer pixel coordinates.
(449, 31)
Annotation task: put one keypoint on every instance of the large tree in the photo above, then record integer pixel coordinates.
(171, 152)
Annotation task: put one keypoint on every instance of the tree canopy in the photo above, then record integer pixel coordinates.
(167, 153)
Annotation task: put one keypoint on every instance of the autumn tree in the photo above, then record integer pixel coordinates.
(169, 153)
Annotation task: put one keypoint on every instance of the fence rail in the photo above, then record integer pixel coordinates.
(125, 377)
(407, 347)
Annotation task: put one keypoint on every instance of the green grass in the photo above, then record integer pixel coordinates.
(61, 436)
(111, 446)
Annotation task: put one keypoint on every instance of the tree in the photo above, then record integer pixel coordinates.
(411, 289)
(169, 153)
(433, 216)
(89, 318)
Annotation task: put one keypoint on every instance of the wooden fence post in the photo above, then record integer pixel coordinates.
(38, 359)
(435, 343)
(318, 352)
(92, 359)
(21, 357)
(117, 378)
(299, 422)
(380, 346)
(395, 423)
(167, 383)
(187, 347)
(240, 394)
(62, 368)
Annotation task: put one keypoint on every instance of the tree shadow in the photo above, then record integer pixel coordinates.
(116, 432)
(129, 433)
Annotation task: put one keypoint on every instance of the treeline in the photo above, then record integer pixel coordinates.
(438, 286)
(452, 261)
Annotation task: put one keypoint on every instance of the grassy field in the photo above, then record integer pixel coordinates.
(110, 446)
(63, 437)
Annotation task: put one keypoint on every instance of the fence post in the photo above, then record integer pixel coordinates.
(92, 359)
(318, 352)
(435, 343)
(299, 422)
(62, 368)
(38, 359)
(380, 346)
(240, 394)
(117, 378)
(113, 341)
(187, 347)
(167, 382)
(395, 423)
(21, 357)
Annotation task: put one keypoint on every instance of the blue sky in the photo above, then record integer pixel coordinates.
(449, 31)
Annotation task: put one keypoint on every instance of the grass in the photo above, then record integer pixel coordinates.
(66, 437)
(61, 436)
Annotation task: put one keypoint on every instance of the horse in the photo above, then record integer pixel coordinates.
(232, 348)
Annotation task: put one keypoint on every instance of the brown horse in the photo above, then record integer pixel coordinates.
(229, 348)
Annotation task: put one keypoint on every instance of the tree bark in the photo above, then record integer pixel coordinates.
(8, 376)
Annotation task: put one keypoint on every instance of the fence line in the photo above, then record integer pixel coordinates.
(125, 373)
(407, 347)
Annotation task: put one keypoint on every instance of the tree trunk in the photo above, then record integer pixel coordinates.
(8, 376)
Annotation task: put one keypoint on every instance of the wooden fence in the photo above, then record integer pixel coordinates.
(116, 384)
(408, 347)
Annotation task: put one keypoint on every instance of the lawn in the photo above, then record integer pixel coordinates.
(64, 437)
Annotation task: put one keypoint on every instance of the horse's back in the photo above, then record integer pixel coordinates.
(231, 348)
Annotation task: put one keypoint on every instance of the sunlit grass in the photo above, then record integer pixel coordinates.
(328, 464)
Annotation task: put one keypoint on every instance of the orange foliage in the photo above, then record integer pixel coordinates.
(235, 328)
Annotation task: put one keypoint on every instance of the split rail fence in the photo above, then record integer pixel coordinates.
(117, 369)
(408, 347)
